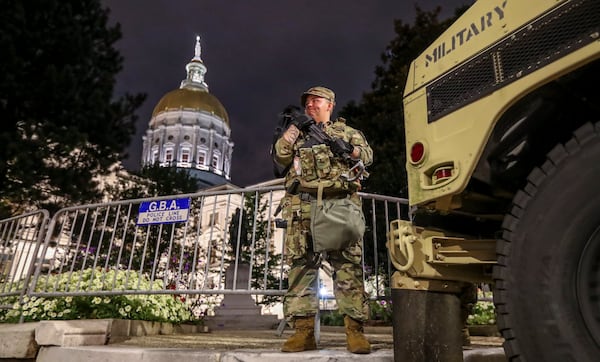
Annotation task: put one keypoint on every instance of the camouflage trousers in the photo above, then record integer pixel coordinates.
(301, 298)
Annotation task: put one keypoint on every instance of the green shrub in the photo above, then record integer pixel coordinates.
(332, 318)
(379, 310)
(156, 307)
(483, 313)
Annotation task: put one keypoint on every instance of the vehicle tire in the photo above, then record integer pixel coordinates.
(547, 280)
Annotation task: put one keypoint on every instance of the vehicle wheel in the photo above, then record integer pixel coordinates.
(547, 281)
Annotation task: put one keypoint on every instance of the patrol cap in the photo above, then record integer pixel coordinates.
(319, 92)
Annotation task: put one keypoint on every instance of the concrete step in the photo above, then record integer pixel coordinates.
(117, 340)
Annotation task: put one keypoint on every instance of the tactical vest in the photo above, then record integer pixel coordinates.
(317, 170)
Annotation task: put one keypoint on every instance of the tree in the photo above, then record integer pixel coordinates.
(61, 125)
(151, 181)
(380, 113)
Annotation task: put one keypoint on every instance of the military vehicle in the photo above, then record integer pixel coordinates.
(503, 165)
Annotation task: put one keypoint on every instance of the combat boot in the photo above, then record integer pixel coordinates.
(304, 337)
(357, 343)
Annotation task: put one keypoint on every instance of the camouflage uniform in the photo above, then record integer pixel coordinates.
(301, 297)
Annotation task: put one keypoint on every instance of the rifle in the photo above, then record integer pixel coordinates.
(320, 137)
(316, 136)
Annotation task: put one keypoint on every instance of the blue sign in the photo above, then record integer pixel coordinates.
(163, 211)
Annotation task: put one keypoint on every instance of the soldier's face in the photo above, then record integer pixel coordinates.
(318, 108)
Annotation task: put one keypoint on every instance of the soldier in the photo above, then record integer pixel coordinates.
(319, 172)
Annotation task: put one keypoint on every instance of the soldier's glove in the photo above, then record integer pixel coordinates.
(341, 148)
(302, 122)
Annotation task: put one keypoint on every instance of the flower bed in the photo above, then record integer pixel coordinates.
(154, 307)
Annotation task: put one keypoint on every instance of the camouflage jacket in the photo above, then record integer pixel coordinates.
(314, 165)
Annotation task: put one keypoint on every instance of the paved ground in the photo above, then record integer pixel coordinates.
(86, 340)
(331, 338)
(264, 346)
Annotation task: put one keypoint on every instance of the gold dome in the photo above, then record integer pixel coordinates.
(191, 99)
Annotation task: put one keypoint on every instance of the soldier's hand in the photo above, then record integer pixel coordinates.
(302, 122)
(340, 147)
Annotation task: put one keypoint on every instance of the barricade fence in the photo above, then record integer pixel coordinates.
(20, 240)
(207, 243)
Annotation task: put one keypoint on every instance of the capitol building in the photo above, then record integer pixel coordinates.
(189, 129)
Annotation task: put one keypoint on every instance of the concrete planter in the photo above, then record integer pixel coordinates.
(487, 330)
(137, 328)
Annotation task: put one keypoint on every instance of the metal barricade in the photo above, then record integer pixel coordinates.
(111, 241)
(20, 240)
(222, 242)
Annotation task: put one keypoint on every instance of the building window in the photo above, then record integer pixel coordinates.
(154, 155)
(201, 159)
(185, 155)
(215, 161)
(213, 219)
(169, 155)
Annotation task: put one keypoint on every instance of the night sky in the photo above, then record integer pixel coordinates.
(260, 55)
